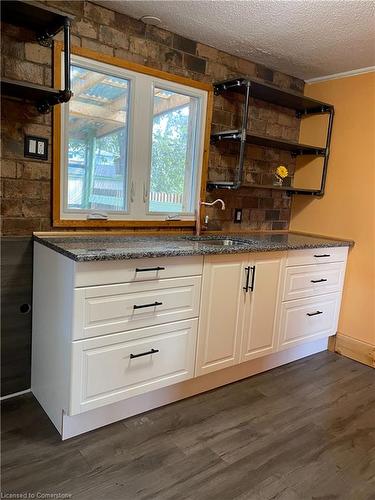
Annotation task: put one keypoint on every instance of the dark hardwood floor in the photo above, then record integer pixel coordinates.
(302, 431)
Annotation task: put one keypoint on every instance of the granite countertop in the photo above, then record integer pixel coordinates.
(99, 248)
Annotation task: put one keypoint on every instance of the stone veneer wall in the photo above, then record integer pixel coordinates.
(26, 184)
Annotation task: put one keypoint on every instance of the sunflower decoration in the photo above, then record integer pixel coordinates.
(280, 174)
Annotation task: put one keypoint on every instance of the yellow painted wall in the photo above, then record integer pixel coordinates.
(347, 209)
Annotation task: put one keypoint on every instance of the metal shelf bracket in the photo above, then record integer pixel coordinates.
(45, 106)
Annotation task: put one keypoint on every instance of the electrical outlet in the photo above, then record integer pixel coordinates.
(238, 215)
(36, 147)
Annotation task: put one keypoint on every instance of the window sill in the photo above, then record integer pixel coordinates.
(122, 223)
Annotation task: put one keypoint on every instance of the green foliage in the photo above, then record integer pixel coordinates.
(169, 144)
(110, 143)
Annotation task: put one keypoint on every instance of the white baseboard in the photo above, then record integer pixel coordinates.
(14, 395)
(78, 424)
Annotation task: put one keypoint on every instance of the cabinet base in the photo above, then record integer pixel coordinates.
(90, 420)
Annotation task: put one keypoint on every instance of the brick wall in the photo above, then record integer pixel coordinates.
(26, 191)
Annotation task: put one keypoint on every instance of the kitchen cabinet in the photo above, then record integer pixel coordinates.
(112, 339)
(304, 320)
(105, 309)
(259, 326)
(221, 314)
(238, 309)
(118, 366)
(107, 331)
(309, 309)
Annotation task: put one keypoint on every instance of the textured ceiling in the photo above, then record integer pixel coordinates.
(304, 38)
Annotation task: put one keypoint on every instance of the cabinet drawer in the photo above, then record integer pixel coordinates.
(108, 369)
(124, 271)
(307, 281)
(115, 308)
(307, 319)
(316, 256)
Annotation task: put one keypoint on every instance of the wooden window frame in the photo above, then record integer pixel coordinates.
(56, 158)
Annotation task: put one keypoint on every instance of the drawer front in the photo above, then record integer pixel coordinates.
(308, 319)
(109, 369)
(124, 271)
(316, 256)
(115, 308)
(307, 281)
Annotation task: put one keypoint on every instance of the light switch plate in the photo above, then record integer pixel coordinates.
(36, 147)
(238, 215)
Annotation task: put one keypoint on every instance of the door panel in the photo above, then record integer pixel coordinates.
(122, 365)
(307, 281)
(308, 319)
(114, 308)
(259, 337)
(221, 314)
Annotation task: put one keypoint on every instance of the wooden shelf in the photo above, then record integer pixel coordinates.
(26, 90)
(289, 189)
(270, 142)
(270, 93)
(36, 17)
(45, 22)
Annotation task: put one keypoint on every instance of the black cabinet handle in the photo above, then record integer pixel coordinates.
(246, 287)
(323, 255)
(251, 287)
(147, 269)
(148, 305)
(147, 353)
(315, 313)
(318, 281)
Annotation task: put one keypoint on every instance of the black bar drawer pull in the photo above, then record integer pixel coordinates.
(246, 287)
(323, 255)
(148, 305)
(315, 313)
(319, 281)
(147, 269)
(251, 287)
(147, 353)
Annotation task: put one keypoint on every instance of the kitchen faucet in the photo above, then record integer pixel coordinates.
(198, 214)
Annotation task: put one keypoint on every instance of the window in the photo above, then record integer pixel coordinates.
(173, 158)
(97, 132)
(131, 144)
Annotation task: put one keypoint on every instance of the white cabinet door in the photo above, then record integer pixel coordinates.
(304, 320)
(221, 315)
(135, 270)
(122, 365)
(309, 256)
(259, 328)
(317, 279)
(101, 310)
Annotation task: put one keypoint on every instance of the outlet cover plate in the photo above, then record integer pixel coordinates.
(237, 215)
(36, 147)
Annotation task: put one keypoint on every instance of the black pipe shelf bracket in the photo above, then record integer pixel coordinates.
(303, 106)
(46, 22)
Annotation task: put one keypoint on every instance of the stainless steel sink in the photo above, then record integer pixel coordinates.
(220, 243)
